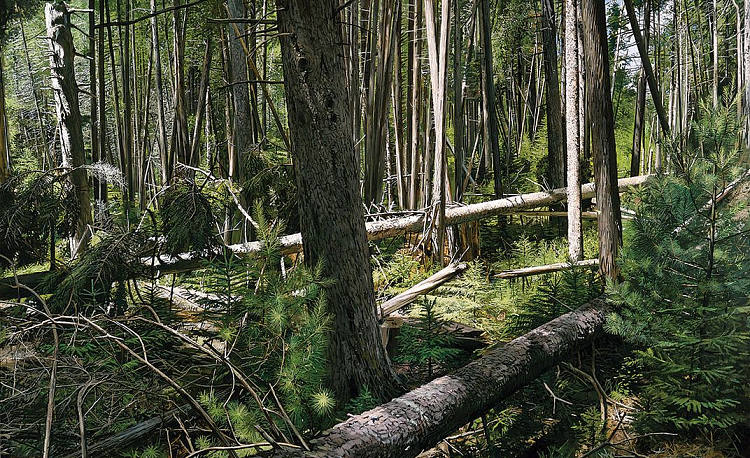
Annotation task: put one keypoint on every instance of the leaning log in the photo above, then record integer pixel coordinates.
(421, 418)
(545, 269)
(393, 227)
(425, 286)
(376, 230)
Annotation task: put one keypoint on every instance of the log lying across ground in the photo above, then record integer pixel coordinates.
(421, 418)
(379, 230)
(545, 269)
(376, 230)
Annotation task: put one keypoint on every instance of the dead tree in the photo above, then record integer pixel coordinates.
(65, 88)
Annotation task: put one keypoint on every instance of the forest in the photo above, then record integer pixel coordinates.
(374, 228)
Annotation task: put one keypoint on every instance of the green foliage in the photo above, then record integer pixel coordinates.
(427, 342)
(275, 322)
(363, 402)
(686, 266)
(188, 222)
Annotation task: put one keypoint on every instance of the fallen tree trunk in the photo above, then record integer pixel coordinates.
(421, 418)
(545, 269)
(376, 230)
(379, 230)
(425, 286)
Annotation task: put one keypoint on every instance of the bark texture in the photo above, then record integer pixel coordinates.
(65, 88)
(599, 106)
(419, 419)
(573, 131)
(555, 136)
(331, 211)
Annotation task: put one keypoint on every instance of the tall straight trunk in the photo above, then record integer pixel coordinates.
(127, 126)
(100, 186)
(381, 50)
(94, 118)
(715, 53)
(415, 105)
(458, 103)
(646, 62)
(489, 114)
(746, 67)
(181, 145)
(555, 135)
(398, 113)
(161, 121)
(241, 131)
(332, 216)
(4, 141)
(65, 88)
(583, 116)
(437, 48)
(599, 105)
(573, 132)
(640, 104)
(200, 109)
(115, 91)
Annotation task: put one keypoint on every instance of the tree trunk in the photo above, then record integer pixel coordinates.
(422, 417)
(65, 88)
(555, 135)
(415, 105)
(100, 186)
(332, 217)
(573, 132)
(489, 115)
(4, 141)
(746, 66)
(640, 104)
(646, 62)
(599, 105)
(458, 104)
(181, 144)
(166, 172)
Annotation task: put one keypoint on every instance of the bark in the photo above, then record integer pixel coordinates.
(640, 104)
(545, 269)
(419, 419)
(646, 62)
(94, 118)
(64, 86)
(4, 141)
(437, 50)
(599, 106)
(100, 186)
(202, 97)
(415, 106)
(458, 104)
(376, 230)
(166, 171)
(181, 144)
(127, 121)
(573, 132)
(746, 67)
(331, 214)
(489, 114)
(555, 135)
(428, 284)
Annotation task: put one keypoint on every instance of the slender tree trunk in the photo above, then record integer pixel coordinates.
(458, 103)
(415, 105)
(332, 217)
(489, 114)
(573, 140)
(640, 104)
(61, 53)
(115, 91)
(646, 62)
(200, 109)
(181, 145)
(746, 66)
(127, 126)
(555, 135)
(4, 141)
(599, 105)
(100, 188)
(161, 119)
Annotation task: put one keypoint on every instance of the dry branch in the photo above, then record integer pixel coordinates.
(428, 284)
(419, 419)
(538, 270)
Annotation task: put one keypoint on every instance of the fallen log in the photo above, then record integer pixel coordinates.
(545, 269)
(421, 418)
(425, 286)
(376, 230)
(379, 230)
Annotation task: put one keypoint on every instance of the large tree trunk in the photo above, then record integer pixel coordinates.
(573, 132)
(61, 53)
(599, 106)
(555, 136)
(331, 213)
(640, 104)
(421, 418)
